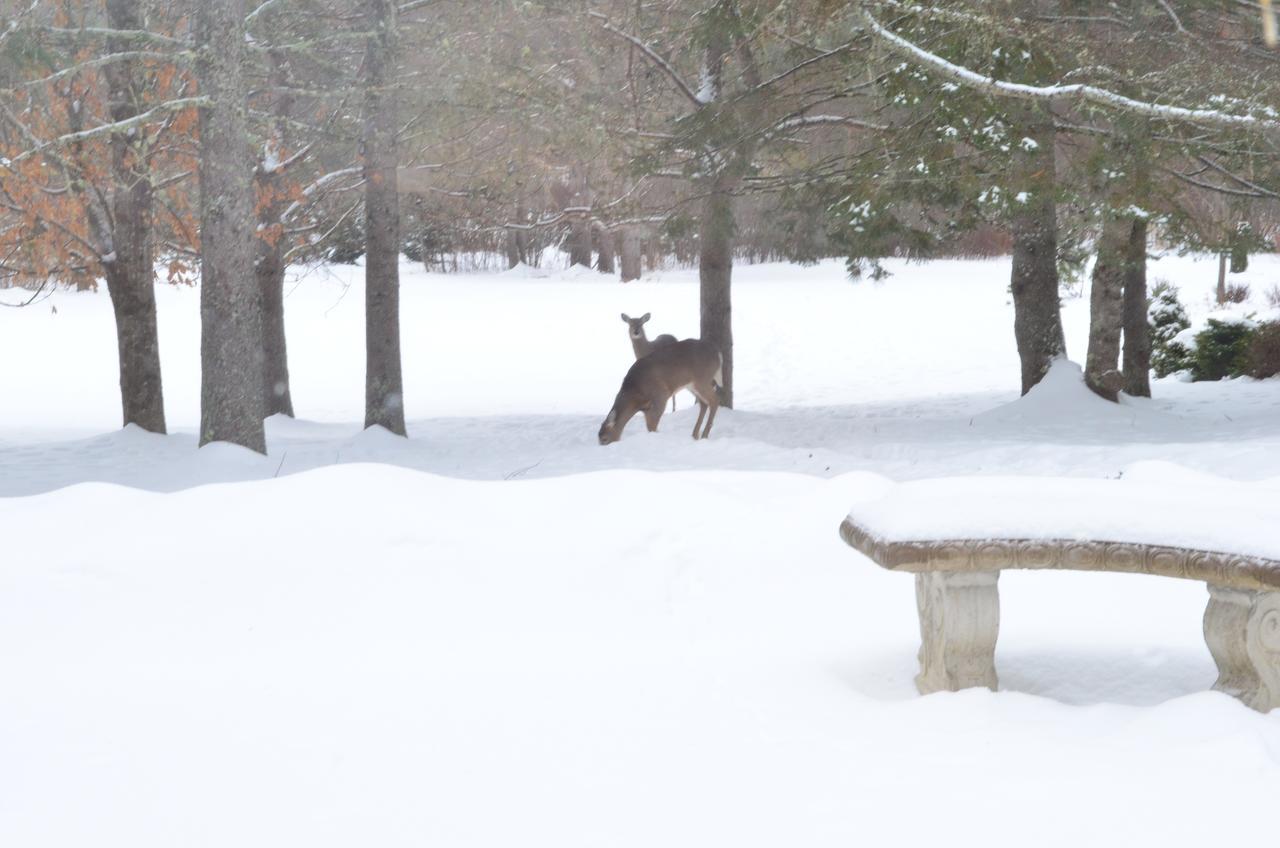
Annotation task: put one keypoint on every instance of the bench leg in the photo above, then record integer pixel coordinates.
(959, 621)
(1242, 630)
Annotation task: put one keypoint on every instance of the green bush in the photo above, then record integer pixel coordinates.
(1222, 350)
(1167, 318)
(1264, 351)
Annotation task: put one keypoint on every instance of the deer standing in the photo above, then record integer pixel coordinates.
(690, 364)
(640, 343)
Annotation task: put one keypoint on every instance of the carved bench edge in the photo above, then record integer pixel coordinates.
(1233, 571)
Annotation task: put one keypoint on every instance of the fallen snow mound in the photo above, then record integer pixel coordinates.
(1062, 399)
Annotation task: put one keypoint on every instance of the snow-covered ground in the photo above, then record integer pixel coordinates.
(541, 641)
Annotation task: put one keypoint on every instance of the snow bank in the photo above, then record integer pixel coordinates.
(1062, 401)
(364, 655)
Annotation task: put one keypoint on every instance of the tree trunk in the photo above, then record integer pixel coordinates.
(604, 244)
(651, 251)
(1106, 308)
(580, 240)
(512, 245)
(715, 275)
(384, 385)
(1137, 330)
(276, 396)
(630, 254)
(1037, 322)
(1222, 278)
(270, 266)
(130, 274)
(230, 306)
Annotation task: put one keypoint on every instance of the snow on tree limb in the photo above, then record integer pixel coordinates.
(99, 62)
(653, 57)
(140, 36)
(824, 120)
(1177, 22)
(320, 183)
(1089, 93)
(117, 126)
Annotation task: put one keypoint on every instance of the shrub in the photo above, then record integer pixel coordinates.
(1222, 350)
(1236, 293)
(1264, 351)
(1273, 297)
(1167, 318)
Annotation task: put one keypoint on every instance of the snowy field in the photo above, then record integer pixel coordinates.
(499, 633)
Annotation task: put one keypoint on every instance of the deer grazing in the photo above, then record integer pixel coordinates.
(640, 341)
(690, 364)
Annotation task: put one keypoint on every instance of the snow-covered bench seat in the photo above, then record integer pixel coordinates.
(957, 535)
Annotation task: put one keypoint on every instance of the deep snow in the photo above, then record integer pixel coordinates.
(366, 654)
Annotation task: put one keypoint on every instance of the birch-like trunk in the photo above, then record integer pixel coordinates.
(384, 385)
(1106, 308)
(1037, 322)
(130, 275)
(270, 267)
(230, 306)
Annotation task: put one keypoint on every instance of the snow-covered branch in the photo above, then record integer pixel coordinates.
(823, 120)
(138, 36)
(250, 18)
(653, 56)
(317, 185)
(115, 127)
(1173, 16)
(1078, 91)
(99, 62)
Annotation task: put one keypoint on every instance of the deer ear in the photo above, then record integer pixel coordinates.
(625, 318)
(645, 318)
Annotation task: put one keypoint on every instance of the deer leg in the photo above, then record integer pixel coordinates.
(702, 411)
(715, 407)
(707, 397)
(652, 415)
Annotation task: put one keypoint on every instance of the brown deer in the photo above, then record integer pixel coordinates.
(690, 364)
(640, 342)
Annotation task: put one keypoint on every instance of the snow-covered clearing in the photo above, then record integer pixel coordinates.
(591, 653)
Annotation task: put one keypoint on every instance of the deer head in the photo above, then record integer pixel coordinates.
(636, 325)
(624, 409)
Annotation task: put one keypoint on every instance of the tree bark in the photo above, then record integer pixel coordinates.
(1106, 308)
(652, 245)
(580, 240)
(270, 266)
(715, 276)
(630, 254)
(1137, 329)
(604, 246)
(1222, 278)
(384, 385)
(512, 245)
(230, 305)
(1037, 322)
(130, 274)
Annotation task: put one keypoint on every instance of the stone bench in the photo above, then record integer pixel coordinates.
(956, 536)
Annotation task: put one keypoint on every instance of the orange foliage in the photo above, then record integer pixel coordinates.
(55, 214)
